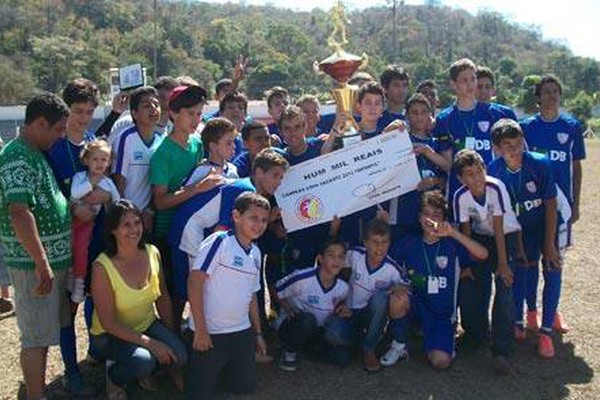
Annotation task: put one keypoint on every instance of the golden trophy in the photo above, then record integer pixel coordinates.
(340, 66)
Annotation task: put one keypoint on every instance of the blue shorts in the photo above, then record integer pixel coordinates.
(533, 242)
(180, 273)
(438, 332)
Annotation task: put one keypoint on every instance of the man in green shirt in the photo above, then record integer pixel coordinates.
(36, 231)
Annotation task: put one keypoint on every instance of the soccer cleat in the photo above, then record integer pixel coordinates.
(520, 334)
(396, 352)
(371, 362)
(533, 322)
(559, 324)
(288, 361)
(545, 346)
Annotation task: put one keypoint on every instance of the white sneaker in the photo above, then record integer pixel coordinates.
(396, 352)
(78, 293)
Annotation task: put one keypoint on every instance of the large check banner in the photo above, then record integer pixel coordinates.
(348, 180)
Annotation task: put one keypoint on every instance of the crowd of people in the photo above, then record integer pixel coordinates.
(164, 205)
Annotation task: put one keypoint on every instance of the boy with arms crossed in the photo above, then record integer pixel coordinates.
(223, 283)
(483, 210)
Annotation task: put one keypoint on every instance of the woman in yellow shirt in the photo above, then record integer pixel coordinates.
(127, 285)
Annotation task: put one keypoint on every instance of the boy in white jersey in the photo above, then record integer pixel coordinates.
(133, 151)
(314, 310)
(482, 207)
(377, 283)
(222, 290)
(218, 138)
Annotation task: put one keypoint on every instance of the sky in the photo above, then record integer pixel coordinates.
(572, 25)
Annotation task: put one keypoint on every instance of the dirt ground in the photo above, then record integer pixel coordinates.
(570, 375)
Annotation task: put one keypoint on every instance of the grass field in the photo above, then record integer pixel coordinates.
(570, 375)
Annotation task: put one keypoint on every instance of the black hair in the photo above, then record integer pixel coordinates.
(249, 127)
(391, 73)
(80, 90)
(166, 82)
(548, 78)
(114, 214)
(247, 199)
(48, 106)
(505, 128)
(467, 158)
(267, 159)
(331, 241)
(377, 227)
(418, 98)
(138, 94)
(370, 88)
(233, 97)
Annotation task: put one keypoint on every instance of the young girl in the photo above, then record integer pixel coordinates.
(96, 157)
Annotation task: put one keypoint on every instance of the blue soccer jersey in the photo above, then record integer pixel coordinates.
(65, 162)
(529, 188)
(434, 271)
(404, 211)
(561, 141)
(301, 246)
(388, 117)
(458, 130)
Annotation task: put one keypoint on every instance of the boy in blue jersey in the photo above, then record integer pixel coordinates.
(529, 179)
(310, 106)
(301, 246)
(210, 211)
(223, 283)
(255, 136)
(466, 124)
(433, 166)
(278, 99)
(483, 210)
(428, 88)
(395, 81)
(81, 96)
(234, 107)
(434, 258)
(314, 312)
(560, 137)
(377, 285)
(486, 90)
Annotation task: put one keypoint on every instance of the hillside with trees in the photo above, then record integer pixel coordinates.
(45, 43)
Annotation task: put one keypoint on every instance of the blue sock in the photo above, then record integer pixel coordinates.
(88, 312)
(68, 350)
(531, 287)
(519, 288)
(550, 297)
(398, 329)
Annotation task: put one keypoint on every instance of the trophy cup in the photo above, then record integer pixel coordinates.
(340, 66)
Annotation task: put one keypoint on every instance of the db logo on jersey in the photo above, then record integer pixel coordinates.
(442, 262)
(483, 125)
(562, 137)
(238, 262)
(313, 299)
(531, 186)
(556, 155)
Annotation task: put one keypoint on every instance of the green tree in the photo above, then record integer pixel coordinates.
(581, 106)
(527, 100)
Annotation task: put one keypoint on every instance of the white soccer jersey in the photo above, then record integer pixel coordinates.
(304, 292)
(81, 186)
(497, 202)
(203, 169)
(233, 277)
(364, 283)
(133, 163)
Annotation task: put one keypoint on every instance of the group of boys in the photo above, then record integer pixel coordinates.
(364, 280)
